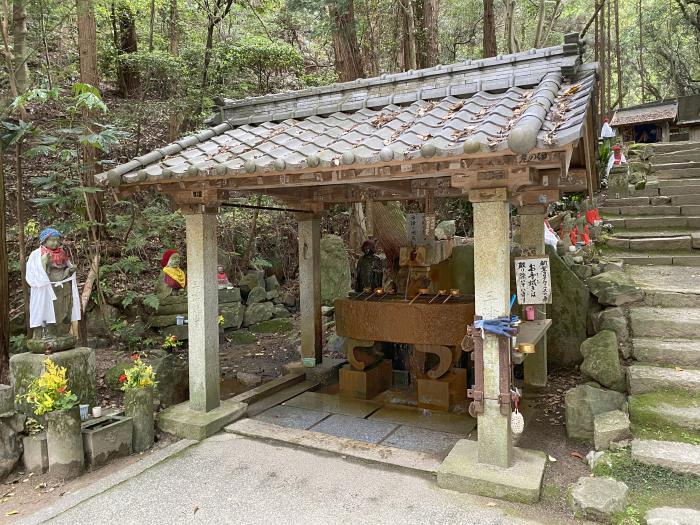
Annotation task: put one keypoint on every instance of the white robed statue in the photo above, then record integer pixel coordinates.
(54, 300)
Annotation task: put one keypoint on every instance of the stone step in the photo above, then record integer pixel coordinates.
(650, 222)
(669, 147)
(673, 164)
(679, 457)
(612, 211)
(676, 196)
(673, 191)
(645, 378)
(654, 259)
(671, 323)
(662, 184)
(686, 173)
(667, 352)
(665, 415)
(689, 156)
(683, 242)
(647, 234)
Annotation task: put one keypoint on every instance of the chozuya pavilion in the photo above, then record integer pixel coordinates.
(512, 130)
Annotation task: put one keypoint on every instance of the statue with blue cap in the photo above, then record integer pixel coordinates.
(54, 301)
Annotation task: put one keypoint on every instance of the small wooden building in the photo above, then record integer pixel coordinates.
(509, 130)
(647, 123)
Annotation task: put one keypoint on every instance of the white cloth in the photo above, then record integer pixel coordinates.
(42, 295)
(550, 236)
(606, 132)
(611, 162)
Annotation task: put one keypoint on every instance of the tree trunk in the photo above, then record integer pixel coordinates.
(490, 47)
(608, 40)
(618, 56)
(207, 57)
(4, 284)
(21, 51)
(410, 49)
(87, 42)
(175, 119)
(19, 199)
(540, 24)
(45, 44)
(510, 26)
(150, 28)
(348, 60)
(641, 49)
(127, 44)
(431, 9)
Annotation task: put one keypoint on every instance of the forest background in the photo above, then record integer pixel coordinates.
(88, 84)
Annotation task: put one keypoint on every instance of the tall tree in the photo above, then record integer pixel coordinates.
(348, 59)
(21, 50)
(4, 283)
(490, 48)
(408, 49)
(641, 49)
(175, 119)
(124, 25)
(431, 9)
(216, 12)
(618, 57)
(87, 42)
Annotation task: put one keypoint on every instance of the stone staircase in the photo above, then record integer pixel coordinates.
(657, 234)
(660, 224)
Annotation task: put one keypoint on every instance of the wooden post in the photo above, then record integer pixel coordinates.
(532, 241)
(203, 310)
(665, 132)
(310, 289)
(492, 291)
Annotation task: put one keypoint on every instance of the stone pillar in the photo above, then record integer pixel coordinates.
(665, 132)
(310, 289)
(202, 310)
(532, 241)
(492, 293)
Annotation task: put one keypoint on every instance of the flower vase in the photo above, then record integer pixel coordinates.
(138, 405)
(65, 443)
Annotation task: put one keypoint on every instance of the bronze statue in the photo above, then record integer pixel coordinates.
(54, 301)
(369, 273)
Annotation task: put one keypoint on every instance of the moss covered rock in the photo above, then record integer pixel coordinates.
(615, 288)
(233, 314)
(272, 326)
(601, 360)
(583, 403)
(242, 337)
(255, 313)
(666, 416)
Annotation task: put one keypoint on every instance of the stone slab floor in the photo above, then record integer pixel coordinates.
(232, 479)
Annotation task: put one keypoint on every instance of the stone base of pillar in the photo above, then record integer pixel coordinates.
(325, 373)
(521, 482)
(186, 423)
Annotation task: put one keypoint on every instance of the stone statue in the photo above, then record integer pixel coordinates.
(172, 280)
(567, 234)
(222, 278)
(369, 273)
(582, 230)
(54, 300)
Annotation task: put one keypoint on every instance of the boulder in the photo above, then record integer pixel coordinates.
(672, 516)
(445, 230)
(258, 312)
(229, 295)
(97, 325)
(335, 269)
(597, 498)
(582, 271)
(81, 374)
(568, 311)
(601, 361)
(280, 312)
(250, 280)
(609, 427)
(257, 295)
(271, 283)
(181, 332)
(173, 377)
(272, 326)
(272, 294)
(7, 399)
(133, 331)
(288, 299)
(242, 337)
(583, 403)
(614, 319)
(11, 427)
(233, 315)
(615, 288)
(173, 304)
(161, 321)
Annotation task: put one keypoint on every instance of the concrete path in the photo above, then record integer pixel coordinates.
(232, 479)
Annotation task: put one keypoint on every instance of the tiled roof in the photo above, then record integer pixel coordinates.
(535, 99)
(650, 112)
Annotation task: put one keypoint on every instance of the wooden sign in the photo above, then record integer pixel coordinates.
(533, 280)
(415, 227)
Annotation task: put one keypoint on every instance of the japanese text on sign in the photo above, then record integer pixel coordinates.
(415, 226)
(533, 280)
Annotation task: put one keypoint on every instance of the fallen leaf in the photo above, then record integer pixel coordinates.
(679, 369)
(12, 513)
(490, 504)
(195, 510)
(552, 459)
(575, 454)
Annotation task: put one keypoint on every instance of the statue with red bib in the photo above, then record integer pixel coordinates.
(172, 280)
